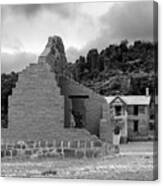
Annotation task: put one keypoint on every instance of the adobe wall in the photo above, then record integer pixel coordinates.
(36, 108)
(54, 55)
(94, 107)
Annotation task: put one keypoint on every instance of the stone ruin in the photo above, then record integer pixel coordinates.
(40, 106)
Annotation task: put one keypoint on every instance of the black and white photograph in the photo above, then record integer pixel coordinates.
(79, 90)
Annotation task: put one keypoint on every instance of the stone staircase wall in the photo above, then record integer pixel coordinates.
(36, 108)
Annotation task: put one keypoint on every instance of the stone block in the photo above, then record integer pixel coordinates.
(50, 144)
(123, 140)
(74, 144)
(42, 144)
(45, 151)
(88, 144)
(53, 154)
(89, 153)
(14, 152)
(97, 153)
(97, 144)
(35, 150)
(37, 144)
(8, 152)
(10, 147)
(18, 146)
(105, 115)
(30, 142)
(3, 147)
(82, 144)
(58, 143)
(28, 152)
(65, 144)
(69, 153)
(59, 150)
(105, 107)
(3, 153)
(80, 154)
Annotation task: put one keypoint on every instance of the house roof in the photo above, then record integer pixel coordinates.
(131, 100)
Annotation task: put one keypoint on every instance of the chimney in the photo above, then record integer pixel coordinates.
(147, 91)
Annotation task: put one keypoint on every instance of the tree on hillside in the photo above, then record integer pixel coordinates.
(8, 81)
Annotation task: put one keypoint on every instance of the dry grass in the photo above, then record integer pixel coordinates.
(135, 162)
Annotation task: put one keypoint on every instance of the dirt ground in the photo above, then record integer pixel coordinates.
(134, 162)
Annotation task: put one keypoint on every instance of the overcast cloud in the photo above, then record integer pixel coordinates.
(82, 26)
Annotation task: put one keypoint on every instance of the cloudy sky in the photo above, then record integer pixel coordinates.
(82, 26)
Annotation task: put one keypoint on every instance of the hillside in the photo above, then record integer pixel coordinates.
(126, 68)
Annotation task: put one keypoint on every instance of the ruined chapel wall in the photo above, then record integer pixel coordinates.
(93, 105)
(36, 108)
(54, 55)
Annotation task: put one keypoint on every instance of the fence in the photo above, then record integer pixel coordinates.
(54, 149)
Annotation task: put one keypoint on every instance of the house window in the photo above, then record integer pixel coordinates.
(136, 126)
(136, 110)
(118, 110)
(142, 109)
(130, 110)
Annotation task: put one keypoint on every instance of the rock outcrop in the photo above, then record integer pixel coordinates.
(54, 55)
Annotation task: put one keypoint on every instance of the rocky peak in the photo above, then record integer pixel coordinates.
(54, 54)
(55, 43)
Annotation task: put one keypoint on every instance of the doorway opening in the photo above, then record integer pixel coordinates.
(78, 110)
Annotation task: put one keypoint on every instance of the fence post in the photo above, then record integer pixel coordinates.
(54, 143)
(85, 148)
(62, 151)
(11, 154)
(92, 144)
(68, 144)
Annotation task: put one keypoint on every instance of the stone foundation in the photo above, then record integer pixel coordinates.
(55, 149)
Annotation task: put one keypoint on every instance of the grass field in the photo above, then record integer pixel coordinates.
(134, 162)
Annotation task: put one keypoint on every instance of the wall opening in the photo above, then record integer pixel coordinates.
(77, 111)
(136, 110)
(136, 126)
